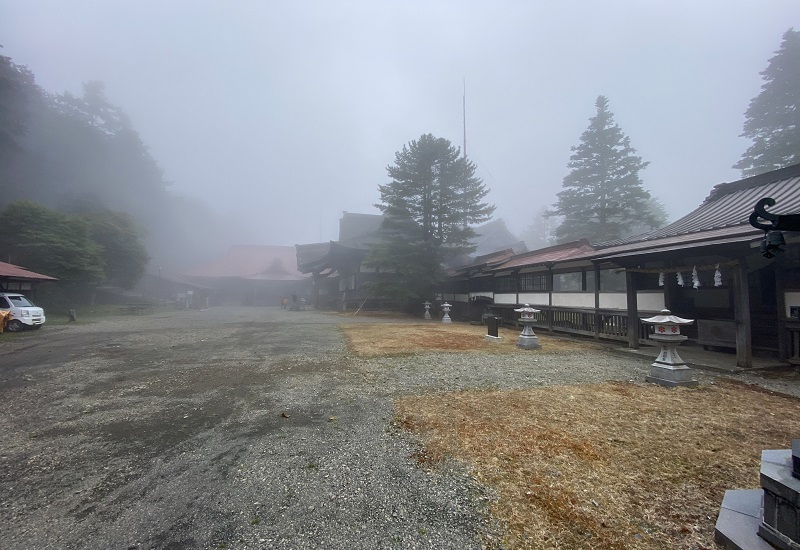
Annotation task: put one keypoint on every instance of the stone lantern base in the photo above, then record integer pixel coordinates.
(528, 342)
(670, 375)
(669, 368)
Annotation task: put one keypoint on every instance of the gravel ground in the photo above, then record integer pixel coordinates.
(242, 428)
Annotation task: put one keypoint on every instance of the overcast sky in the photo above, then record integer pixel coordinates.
(284, 114)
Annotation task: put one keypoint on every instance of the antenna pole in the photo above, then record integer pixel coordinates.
(464, 113)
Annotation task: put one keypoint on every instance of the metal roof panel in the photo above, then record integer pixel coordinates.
(16, 272)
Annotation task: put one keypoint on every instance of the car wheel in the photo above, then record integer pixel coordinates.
(14, 325)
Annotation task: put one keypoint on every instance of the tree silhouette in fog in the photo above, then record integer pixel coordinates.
(772, 121)
(603, 196)
(430, 203)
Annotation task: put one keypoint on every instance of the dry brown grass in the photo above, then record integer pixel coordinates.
(368, 340)
(611, 465)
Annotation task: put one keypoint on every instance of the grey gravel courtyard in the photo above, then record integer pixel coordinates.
(240, 428)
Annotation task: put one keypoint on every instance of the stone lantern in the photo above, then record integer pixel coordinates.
(446, 308)
(669, 369)
(527, 339)
(427, 315)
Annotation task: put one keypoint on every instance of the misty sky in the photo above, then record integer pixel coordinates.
(284, 114)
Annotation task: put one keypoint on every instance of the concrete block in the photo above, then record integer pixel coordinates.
(738, 521)
(671, 375)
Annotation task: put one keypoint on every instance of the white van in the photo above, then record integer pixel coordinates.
(24, 314)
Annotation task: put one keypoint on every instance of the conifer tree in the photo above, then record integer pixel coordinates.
(772, 121)
(430, 203)
(602, 196)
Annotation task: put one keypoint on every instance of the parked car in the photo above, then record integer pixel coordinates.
(24, 314)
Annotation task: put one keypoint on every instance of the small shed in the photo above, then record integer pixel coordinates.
(14, 278)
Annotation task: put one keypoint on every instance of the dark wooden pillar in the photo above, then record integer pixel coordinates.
(550, 297)
(741, 313)
(780, 306)
(469, 298)
(596, 301)
(669, 290)
(633, 310)
(315, 287)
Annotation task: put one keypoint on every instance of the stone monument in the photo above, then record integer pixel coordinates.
(492, 324)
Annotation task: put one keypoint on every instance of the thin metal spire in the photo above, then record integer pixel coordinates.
(464, 113)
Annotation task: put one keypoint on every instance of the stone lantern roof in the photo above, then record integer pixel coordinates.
(667, 318)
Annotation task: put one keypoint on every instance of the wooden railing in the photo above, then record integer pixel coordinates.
(793, 342)
(604, 323)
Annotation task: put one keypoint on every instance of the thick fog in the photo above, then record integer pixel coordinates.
(280, 115)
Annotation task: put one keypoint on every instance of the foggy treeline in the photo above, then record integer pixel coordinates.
(82, 155)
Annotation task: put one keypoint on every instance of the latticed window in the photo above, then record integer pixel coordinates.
(568, 282)
(481, 284)
(455, 287)
(533, 282)
(505, 284)
(613, 280)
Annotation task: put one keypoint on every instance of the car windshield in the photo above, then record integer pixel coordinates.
(20, 301)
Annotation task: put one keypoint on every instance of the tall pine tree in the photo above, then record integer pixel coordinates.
(603, 196)
(772, 120)
(431, 201)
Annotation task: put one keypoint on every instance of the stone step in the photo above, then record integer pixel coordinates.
(738, 521)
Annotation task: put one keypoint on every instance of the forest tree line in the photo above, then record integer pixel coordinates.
(81, 158)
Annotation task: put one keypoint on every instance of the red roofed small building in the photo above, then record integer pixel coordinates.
(14, 278)
(252, 275)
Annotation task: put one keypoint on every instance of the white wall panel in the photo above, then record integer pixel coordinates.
(650, 301)
(613, 300)
(505, 299)
(574, 299)
(534, 298)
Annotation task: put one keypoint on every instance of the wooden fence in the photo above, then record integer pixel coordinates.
(603, 323)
